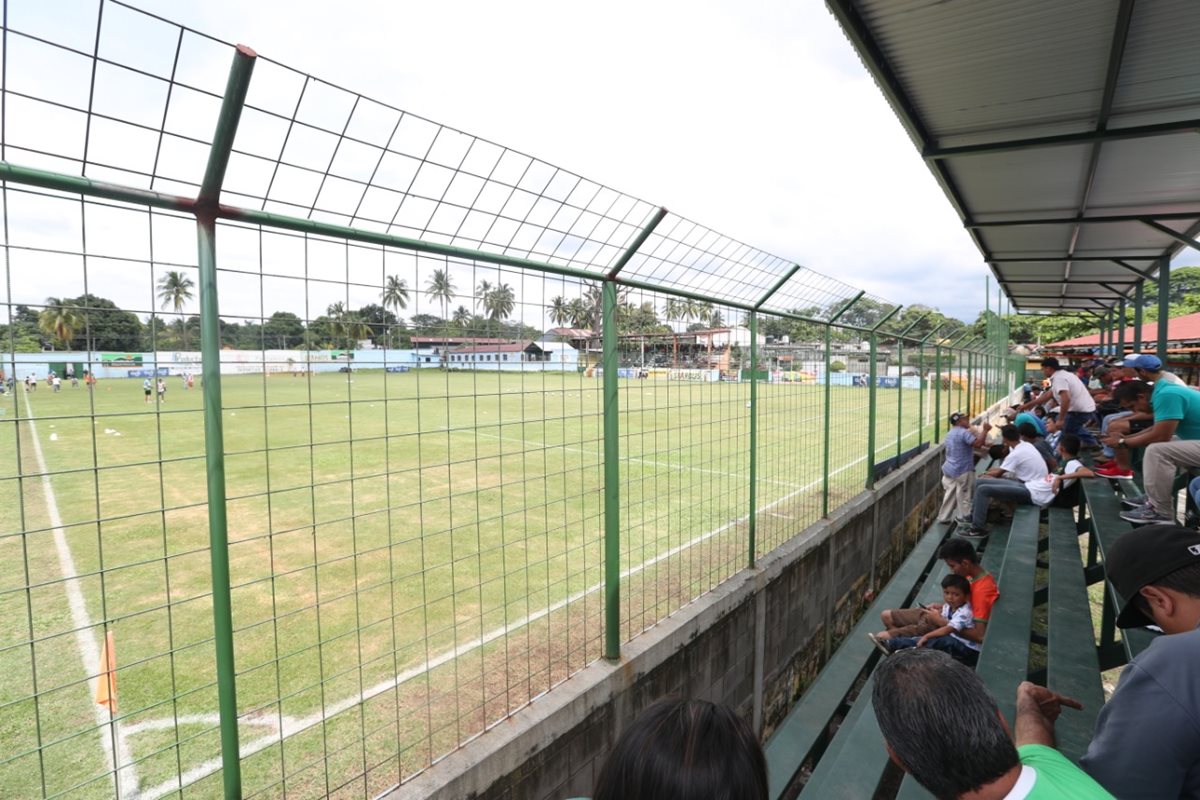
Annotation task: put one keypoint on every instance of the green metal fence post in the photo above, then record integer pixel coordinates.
(753, 518)
(900, 386)
(829, 401)
(872, 380)
(214, 435)
(612, 477)
(937, 396)
(921, 374)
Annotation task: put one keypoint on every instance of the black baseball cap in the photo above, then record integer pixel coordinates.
(955, 417)
(1144, 555)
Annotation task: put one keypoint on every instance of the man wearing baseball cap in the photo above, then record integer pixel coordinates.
(958, 471)
(1147, 740)
(1149, 368)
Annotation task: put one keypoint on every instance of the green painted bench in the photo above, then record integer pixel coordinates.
(804, 731)
(1011, 556)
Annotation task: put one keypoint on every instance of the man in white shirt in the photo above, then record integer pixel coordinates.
(1021, 478)
(1075, 404)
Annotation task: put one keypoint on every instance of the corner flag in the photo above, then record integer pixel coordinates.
(106, 683)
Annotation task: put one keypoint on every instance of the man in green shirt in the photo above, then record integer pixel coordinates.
(941, 725)
(1173, 442)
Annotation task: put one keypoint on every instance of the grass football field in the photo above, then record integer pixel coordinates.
(413, 556)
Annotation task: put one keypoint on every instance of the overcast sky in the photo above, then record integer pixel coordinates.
(754, 118)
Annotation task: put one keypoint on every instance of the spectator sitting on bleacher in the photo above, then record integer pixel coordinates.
(1065, 482)
(996, 454)
(1027, 466)
(941, 725)
(947, 638)
(958, 471)
(962, 560)
(1147, 739)
(1172, 442)
(1017, 418)
(1029, 433)
(1149, 368)
(684, 750)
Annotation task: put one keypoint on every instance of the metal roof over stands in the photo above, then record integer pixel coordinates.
(1064, 133)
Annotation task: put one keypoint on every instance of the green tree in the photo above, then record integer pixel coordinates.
(283, 330)
(60, 321)
(462, 318)
(174, 290)
(395, 293)
(104, 326)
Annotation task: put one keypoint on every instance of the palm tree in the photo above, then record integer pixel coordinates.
(60, 321)
(501, 302)
(560, 311)
(462, 317)
(337, 318)
(175, 289)
(354, 328)
(483, 296)
(395, 297)
(440, 288)
(580, 313)
(395, 293)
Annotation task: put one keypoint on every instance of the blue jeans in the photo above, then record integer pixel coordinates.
(1194, 491)
(1002, 489)
(1104, 423)
(947, 644)
(1074, 424)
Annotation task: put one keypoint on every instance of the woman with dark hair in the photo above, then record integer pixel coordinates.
(684, 750)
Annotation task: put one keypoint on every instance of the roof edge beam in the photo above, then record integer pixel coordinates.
(1016, 223)
(1064, 139)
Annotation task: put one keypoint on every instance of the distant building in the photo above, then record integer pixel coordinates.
(514, 356)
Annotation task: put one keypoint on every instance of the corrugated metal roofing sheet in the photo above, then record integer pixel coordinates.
(981, 85)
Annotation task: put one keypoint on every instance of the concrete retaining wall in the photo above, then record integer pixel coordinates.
(755, 643)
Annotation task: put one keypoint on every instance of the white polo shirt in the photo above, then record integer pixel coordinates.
(1065, 380)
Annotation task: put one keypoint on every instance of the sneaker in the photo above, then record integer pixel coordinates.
(1146, 515)
(1115, 472)
(1105, 464)
(974, 533)
(1191, 520)
(880, 643)
(962, 522)
(1135, 502)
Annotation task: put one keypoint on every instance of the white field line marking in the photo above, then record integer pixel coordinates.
(125, 774)
(292, 725)
(536, 443)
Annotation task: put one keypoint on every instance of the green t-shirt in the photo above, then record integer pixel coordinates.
(1172, 401)
(1057, 777)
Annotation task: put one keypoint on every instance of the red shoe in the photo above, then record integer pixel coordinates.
(1112, 462)
(1115, 472)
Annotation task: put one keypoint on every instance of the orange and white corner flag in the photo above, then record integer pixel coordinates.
(106, 684)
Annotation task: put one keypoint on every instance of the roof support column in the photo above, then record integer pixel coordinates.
(1139, 300)
(1121, 328)
(1164, 306)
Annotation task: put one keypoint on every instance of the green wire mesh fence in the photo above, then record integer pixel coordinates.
(364, 432)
